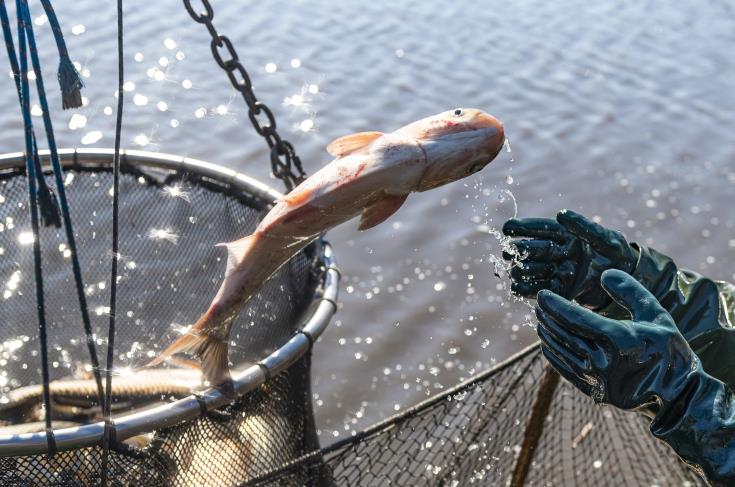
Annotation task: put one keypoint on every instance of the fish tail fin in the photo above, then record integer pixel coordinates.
(211, 351)
(237, 250)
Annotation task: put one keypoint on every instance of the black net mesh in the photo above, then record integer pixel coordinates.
(471, 435)
(170, 270)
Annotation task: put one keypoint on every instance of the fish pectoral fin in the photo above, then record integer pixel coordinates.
(298, 197)
(236, 251)
(350, 143)
(379, 211)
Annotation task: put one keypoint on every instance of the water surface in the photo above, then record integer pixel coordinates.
(620, 110)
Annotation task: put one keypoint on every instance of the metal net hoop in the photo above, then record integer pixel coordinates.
(172, 208)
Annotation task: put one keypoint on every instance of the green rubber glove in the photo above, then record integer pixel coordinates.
(567, 256)
(643, 362)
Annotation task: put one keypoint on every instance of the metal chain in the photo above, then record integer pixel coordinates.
(285, 164)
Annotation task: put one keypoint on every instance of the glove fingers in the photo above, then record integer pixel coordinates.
(529, 289)
(631, 295)
(564, 344)
(535, 228)
(565, 370)
(531, 271)
(600, 238)
(543, 250)
(574, 318)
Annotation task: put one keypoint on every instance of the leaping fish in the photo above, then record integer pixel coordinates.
(372, 176)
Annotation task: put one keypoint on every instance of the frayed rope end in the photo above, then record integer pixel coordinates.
(71, 84)
(50, 214)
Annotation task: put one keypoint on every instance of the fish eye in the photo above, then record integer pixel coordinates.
(458, 112)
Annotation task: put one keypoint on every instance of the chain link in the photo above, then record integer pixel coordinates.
(285, 164)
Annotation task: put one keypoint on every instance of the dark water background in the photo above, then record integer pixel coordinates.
(621, 110)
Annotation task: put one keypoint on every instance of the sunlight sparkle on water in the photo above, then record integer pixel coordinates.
(169, 43)
(163, 234)
(128, 86)
(77, 121)
(140, 100)
(36, 111)
(142, 140)
(294, 100)
(187, 84)
(25, 238)
(176, 191)
(271, 68)
(78, 29)
(306, 125)
(12, 283)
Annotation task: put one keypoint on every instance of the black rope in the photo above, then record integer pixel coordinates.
(69, 80)
(109, 430)
(37, 264)
(46, 199)
(25, 13)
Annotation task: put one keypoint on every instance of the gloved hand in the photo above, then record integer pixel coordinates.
(566, 256)
(630, 364)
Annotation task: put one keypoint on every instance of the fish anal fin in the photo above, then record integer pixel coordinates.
(236, 251)
(211, 351)
(379, 211)
(350, 143)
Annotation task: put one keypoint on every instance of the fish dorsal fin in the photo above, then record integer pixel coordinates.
(379, 211)
(236, 251)
(350, 143)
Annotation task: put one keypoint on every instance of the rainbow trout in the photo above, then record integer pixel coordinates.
(372, 176)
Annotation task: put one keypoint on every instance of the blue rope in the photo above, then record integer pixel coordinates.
(69, 81)
(30, 167)
(46, 199)
(115, 237)
(25, 14)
